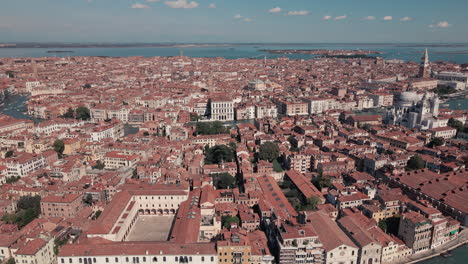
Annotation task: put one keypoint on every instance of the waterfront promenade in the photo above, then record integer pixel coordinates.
(459, 241)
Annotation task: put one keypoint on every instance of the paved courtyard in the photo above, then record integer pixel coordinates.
(151, 228)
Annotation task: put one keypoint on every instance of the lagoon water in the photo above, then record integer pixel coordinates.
(457, 53)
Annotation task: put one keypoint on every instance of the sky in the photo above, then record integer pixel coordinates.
(234, 21)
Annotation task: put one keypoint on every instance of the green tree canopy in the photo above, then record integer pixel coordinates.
(9, 153)
(277, 166)
(59, 146)
(88, 199)
(69, 114)
(383, 225)
(99, 165)
(311, 203)
(322, 182)
(210, 128)
(226, 221)
(83, 113)
(29, 208)
(415, 163)
(455, 124)
(294, 143)
(438, 141)
(224, 181)
(218, 154)
(268, 151)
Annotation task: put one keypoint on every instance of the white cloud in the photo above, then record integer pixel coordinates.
(152, 1)
(441, 24)
(369, 18)
(181, 4)
(275, 10)
(212, 6)
(139, 6)
(238, 16)
(406, 18)
(298, 13)
(341, 17)
(327, 17)
(387, 18)
(247, 20)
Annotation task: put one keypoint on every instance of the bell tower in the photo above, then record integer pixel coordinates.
(424, 68)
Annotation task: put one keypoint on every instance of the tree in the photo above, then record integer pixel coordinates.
(438, 141)
(69, 114)
(59, 146)
(210, 128)
(29, 208)
(415, 163)
(82, 113)
(88, 199)
(96, 215)
(218, 154)
(87, 86)
(194, 117)
(224, 180)
(269, 151)
(311, 203)
(383, 225)
(455, 124)
(226, 221)
(99, 165)
(294, 143)
(11, 261)
(9, 154)
(12, 179)
(146, 133)
(277, 166)
(321, 182)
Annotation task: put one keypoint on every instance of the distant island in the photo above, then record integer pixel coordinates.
(108, 45)
(60, 51)
(327, 53)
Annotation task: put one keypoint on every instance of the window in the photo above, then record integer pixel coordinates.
(61, 260)
(107, 260)
(70, 260)
(116, 259)
(80, 260)
(202, 258)
(155, 259)
(126, 259)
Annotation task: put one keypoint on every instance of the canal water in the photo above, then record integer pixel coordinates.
(459, 256)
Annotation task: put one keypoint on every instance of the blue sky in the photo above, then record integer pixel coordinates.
(234, 21)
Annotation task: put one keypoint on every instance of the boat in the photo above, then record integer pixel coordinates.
(446, 254)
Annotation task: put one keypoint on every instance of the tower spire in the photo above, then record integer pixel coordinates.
(424, 70)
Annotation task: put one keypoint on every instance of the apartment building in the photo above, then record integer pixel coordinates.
(66, 206)
(22, 163)
(36, 251)
(416, 231)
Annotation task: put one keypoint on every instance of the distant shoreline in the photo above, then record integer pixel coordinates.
(12, 45)
(68, 46)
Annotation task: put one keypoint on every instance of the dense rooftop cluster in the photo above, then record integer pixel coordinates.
(210, 160)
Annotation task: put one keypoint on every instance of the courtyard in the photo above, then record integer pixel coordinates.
(151, 228)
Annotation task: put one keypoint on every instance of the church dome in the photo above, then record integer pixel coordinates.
(409, 97)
